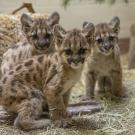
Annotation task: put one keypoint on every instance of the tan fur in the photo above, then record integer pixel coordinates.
(103, 67)
(45, 80)
(39, 40)
(131, 55)
(10, 30)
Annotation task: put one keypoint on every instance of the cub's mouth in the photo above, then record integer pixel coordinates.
(106, 50)
(44, 47)
(75, 63)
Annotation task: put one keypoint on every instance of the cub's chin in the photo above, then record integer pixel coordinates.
(105, 52)
(76, 66)
(42, 50)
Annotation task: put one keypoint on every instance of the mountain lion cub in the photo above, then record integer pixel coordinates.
(39, 35)
(46, 80)
(103, 66)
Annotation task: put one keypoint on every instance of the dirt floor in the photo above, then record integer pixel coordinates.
(117, 117)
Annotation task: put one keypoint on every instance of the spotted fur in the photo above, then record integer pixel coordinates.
(39, 35)
(46, 80)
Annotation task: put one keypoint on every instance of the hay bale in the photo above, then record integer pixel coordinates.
(10, 31)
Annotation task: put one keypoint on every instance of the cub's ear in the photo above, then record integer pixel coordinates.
(85, 24)
(54, 18)
(26, 22)
(59, 34)
(88, 31)
(59, 31)
(115, 24)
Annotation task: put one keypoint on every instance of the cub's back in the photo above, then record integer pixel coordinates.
(15, 55)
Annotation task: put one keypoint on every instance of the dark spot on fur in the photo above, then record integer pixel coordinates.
(20, 81)
(35, 77)
(19, 100)
(27, 77)
(40, 59)
(4, 80)
(21, 74)
(20, 86)
(11, 72)
(13, 90)
(18, 67)
(13, 82)
(31, 70)
(28, 63)
(20, 54)
(41, 72)
(37, 68)
(25, 93)
(35, 94)
(12, 99)
(15, 47)
(34, 85)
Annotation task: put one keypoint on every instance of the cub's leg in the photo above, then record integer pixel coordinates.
(108, 84)
(104, 84)
(101, 85)
(57, 109)
(90, 80)
(66, 97)
(28, 114)
(116, 78)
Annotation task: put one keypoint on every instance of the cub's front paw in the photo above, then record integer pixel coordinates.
(68, 115)
(85, 98)
(64, 123)
(121, 95)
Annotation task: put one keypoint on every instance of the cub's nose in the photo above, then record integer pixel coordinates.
(107, 47)
(75, 61)
(43, 43)
(78, 60)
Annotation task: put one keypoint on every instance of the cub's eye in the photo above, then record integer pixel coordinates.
(68, 52)
(99, 40)
(111, 38)
(34, 35)
(82, 51)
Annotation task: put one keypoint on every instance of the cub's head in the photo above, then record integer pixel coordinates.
(38, 31)
(106, 36)
(73, 45)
